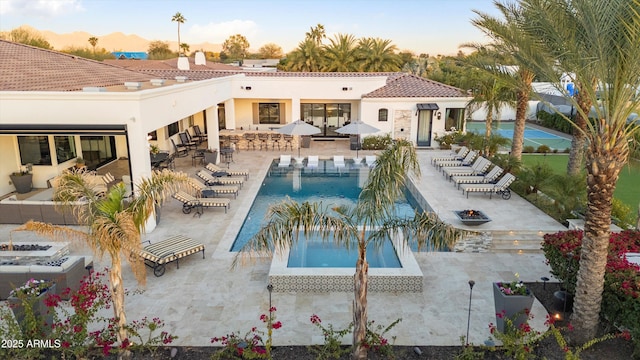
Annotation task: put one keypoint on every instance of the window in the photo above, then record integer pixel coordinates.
(152, 135)
(383, 114)
(34, 150)
(454, 118)
(269, 113)
(173, 129)
(65, 148)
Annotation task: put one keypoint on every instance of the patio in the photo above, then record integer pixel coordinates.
(205, 298)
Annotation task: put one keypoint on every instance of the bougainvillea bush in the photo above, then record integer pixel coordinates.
(621, 297)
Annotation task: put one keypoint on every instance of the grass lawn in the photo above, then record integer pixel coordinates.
(627, 188)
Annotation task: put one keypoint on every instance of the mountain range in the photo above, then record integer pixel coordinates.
(116, 41)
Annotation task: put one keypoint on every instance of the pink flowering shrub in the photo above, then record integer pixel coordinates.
(251, 345)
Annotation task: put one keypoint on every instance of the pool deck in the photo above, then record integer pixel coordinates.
(205, 298)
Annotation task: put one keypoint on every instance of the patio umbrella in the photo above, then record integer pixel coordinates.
(299, 128)
(357, 128)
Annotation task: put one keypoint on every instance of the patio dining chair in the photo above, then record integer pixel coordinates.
(186, 141)
(179, 149)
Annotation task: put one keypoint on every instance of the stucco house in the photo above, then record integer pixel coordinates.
(55, 107)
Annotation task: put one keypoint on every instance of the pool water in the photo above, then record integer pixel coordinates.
(324, 184)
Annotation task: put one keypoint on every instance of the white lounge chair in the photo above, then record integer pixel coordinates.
(338, 161)
(370, 160)
(486, 179)
(190, 202)
(210, 180)
(285, 161)
(501, 187)
(479, 167)
(457, 155)
(467, 161)
(215, 168)
(313, 161)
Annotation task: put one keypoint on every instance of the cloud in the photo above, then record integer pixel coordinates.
(40, 8)
(218, 33)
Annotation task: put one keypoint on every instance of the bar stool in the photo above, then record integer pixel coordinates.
(275, 137)
(287, 141)
(264, 140)
(250, 137)
(233, 139)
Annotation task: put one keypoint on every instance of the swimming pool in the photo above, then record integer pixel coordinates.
(532, 136)
(323, 184)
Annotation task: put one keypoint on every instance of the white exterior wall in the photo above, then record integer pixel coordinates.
(507, 113)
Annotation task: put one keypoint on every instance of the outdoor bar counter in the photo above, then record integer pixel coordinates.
(237, 139)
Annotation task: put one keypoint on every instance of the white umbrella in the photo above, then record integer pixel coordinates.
(298, 127)
(357, 128)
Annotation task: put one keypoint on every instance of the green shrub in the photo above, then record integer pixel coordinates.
(543, 149)
(376, 142)
(528, 149)
(621, 214)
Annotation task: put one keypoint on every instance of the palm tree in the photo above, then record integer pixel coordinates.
(378, 55)
(93, 41)
(341, 54)
(184, 47)
(491, 94)
(180, 20)
(114, 224)
(370, 222)
(316, 34)
(600, 41)
(307, 57)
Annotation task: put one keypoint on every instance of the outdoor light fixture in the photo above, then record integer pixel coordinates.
(346, 88)
(544, 282)
(245, 87)
(439, 115)
(270, 288)
(471, 283)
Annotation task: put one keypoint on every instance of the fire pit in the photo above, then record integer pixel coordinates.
(472, 217)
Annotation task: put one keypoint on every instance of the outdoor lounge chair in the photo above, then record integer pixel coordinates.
(501, 187)
(459, 155)
(191, 202)
(486, 179)
(313, 161)
(467, 161)
(338, 161)
(285, 161)
(479, 167)
(370, 160)
(211, 180)
(203, 190)
(215, 168)
(157, 255)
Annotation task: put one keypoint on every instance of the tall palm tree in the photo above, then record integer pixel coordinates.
(316, 34)
(509, 38)
(370, 222)
(378, 55)
(114, 224)
(93, 41)
(341, 54)
(184, 47)
(180, 20)
(604, 46)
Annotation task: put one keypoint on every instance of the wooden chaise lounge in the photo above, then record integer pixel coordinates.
(157, 255)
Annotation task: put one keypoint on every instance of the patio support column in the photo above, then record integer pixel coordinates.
(213, 134)
(230, 115)
(295, 110)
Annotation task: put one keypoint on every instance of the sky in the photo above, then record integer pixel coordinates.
(421, 26)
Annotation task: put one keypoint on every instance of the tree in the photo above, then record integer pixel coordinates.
(180, 20)
(270, 51)
(93, 41)
(316, 34)
(594, 40)
(184, 47)
(341, 54)
(307, 57)
(378, 55)
(113, 226)
(27, 36)
(370, 222)
(159, 50)
(235, 47)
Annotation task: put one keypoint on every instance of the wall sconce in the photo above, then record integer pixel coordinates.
(245, 87)
(346, 88)
(439, 115)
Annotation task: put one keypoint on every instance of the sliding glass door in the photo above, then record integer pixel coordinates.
(326, 117)
(98, 150)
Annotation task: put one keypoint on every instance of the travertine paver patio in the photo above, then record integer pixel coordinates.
(205, 298)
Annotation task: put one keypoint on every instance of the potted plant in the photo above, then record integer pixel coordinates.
(32, 296)
(22, 179)
(513, 300)
(154, 149)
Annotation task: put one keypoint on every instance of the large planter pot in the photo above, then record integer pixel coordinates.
(40, 310)
(22, 182)
(513, 307)
(211, 157)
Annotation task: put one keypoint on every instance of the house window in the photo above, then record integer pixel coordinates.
(383, 114)
(269, 113)
(65, 148)
(34, 150)
(152, 135)
(173, 129)
(454, 118)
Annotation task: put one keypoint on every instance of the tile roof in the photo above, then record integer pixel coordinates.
(168, 65)
(407, 85)
(28, 68)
